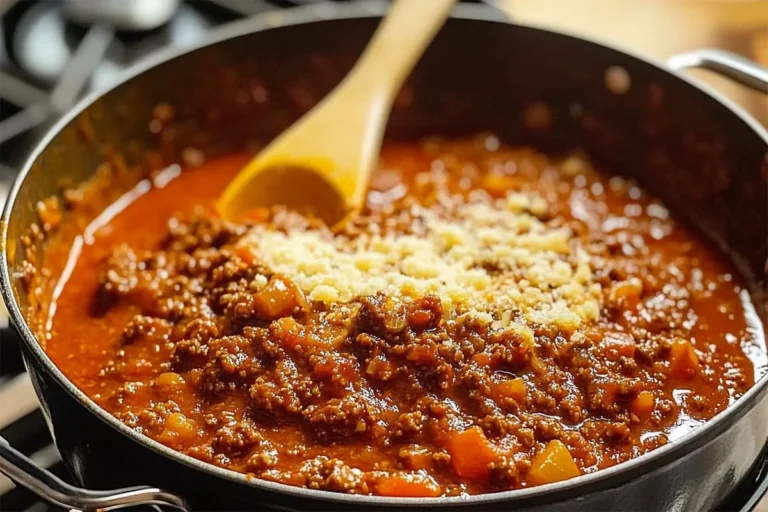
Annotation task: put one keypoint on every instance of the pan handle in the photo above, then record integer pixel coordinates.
(726, 63)
(47, 486)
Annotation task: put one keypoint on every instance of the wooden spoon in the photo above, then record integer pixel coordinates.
(323, 163)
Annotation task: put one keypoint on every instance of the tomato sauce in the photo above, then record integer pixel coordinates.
(541, 320)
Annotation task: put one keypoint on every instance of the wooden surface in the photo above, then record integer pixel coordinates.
(662, 28)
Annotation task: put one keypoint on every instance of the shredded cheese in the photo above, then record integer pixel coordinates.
(495, 258)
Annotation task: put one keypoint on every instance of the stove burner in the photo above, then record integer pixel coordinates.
(52, 53)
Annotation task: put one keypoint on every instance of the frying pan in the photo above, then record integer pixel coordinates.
(696, 150)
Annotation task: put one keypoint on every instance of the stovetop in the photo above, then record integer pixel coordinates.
(52, 52)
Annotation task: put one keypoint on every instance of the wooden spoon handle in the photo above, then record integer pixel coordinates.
(398, 43)
(326, 159)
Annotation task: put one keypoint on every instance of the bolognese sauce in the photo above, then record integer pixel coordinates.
(493, 319)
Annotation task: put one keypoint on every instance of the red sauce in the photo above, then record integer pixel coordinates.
(170, 325)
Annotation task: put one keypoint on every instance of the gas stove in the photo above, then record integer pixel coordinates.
(52, 53)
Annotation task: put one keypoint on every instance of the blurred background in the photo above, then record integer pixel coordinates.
(53, 52)
(661, 28)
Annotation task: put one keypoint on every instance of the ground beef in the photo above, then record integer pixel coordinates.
(211, 352)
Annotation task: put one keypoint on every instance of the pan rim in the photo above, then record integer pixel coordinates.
(579, 486)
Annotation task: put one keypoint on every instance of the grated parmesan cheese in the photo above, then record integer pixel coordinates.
(494, 260)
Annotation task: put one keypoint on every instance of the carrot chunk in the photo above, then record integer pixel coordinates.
(169, 383)
(408, 486)
(552, 465)
(498, 184)
(511, 388)
(179, 431)
(482, 359)
(627, 294)
(619, 345)
(417, 460)
(642, 404)
(246, 254)
(278, 298)
(471, 453)
(288, 331)
(683, 360)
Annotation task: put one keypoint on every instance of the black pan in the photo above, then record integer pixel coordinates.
(695, 149)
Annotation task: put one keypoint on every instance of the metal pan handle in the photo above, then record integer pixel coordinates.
(47, 486)
(726, 63)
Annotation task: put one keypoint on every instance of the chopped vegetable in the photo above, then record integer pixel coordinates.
(179, 430)
(278, 298)
(683, 360)
(420, 319)
(619, 344)
(408, 486)
(481, 359)
(555, 463)
(512, 388)
(642, 404)
(288, 331)
(169, 382)
(627, 294)
(245, 253)
(498, 184)
(471, 453)
(416, 459)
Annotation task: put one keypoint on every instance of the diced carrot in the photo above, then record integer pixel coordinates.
(334, 365)
(246, 254)
(683, 360)
(278, 298)
(481, 359)
(169, 383)
(418, 460)
(424, 353)
(498, 184)
(288, 331)
(618, 345)
(471, 453)
(512, 388)
(408, 486)
(643, 404)
(325, 368)
(552, 465)
(419, 319)
(179, 430)
(627, 294)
